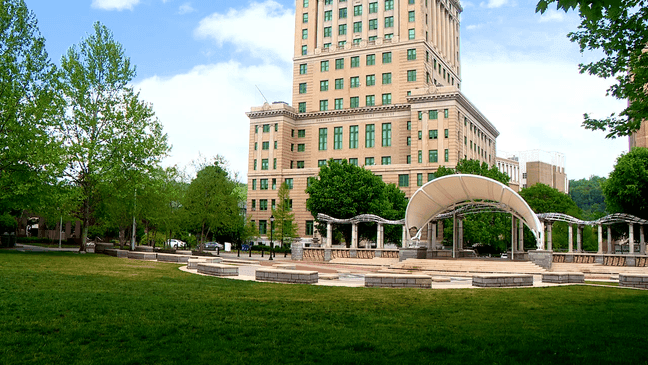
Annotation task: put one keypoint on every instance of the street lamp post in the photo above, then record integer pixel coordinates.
(271, 229)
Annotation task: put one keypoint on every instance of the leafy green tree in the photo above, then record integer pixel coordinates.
(284, 224)
(626, 190)
(343, 190)
(108, 131)
(618, 30)
(588, 195)
(474, 167)
(30, 106)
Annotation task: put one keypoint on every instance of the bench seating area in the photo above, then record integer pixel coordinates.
(634, 280)
(140, 255)
(101, 247)
(144, 248)
(563, 277)
(116, 252)
(502, 280)
(192, 264)
(398, 281)
(170, 257)
(217, 269)
(287, 276)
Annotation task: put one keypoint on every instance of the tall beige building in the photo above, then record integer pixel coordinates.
(640, 137)
(374, 82)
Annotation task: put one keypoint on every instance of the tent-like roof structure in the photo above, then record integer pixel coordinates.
(448, 193)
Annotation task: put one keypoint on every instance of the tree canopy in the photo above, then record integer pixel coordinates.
(284, 226)
(474, 167)
(626, 190)
(618, 29)
(588, 196)
(343, 190)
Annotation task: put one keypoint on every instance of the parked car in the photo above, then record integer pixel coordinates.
(504, 256)
(173, 243)
(213, 246)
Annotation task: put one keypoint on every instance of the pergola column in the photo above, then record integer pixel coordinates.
(432, 235)
(600, 239)
(642, 243)
(460, 234)
(579, 239)
(609, 240)
(354, 235)
(381, 236)
(571, 238)
(631, 238)
(520, 235)
(405, 243)
(454, 236)
(329, 235)
(549, 238)
(513, 235)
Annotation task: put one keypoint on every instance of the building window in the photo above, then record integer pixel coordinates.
(321, 163)
(355, 61)
(303, 69)
(357, 27)
(445, 113)
(324, 85)
(370, 100)
(386, 134)
(411, 54)
(373, 24)
(342, 29)
(411, 16)
(409, 141)
(419, 179)
(266, 128)
(263, 184)
(338, 103)
(354, 82)
(341, 44)
(339, 63)
(300, 164)
(446, 155)
(253, 184)
(323, 134)
(389, 4)
(327, 31)
(386, 160)
(431, 176)
(433, 134)
(386, 57)
(353, 136)
(433, 156)
(305, 18)
(304, 33)
(370, 135)
(369, 161)
(289, 182)
(304, 50)
(353, 161)
(323, 105)
(371, 59)
(433, 114)
(409, 125)
(342, 13)
(302, 88)
(371, 80)
(255, 145)
(309, 228)
(302, 107)
(420, 156)
(411, 2)
(274, 163)
(403, 180)
(265, 145)
(301, 133)
(354, 102)
(357, 10)
(373, 8)
(324, 66)
(420, 135)
(305, 3)
(389, 22)
(411, 75)
(386, 78)
(301, 147)
(264, 164)
(263, 227)
(328, 15)
(445, 133)
(337, 138)
(386, 99)
(339, 84)
(411, 34)
(274, 184)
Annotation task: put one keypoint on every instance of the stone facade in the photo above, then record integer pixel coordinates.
(633, 280)
(563, 277)
(398, 281)
(287, 276)
(502, 280)
(541, 258)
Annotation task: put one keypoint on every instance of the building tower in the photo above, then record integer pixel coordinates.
(376, 82)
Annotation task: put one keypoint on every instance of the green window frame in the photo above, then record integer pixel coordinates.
(354, 82)
(274, 184)
(305, 3)
(342, 13)
(289, 182)
(369, 161)
(420, 156)
(373, 24)
(386, 134)
(433, 134)
(302, 88)
(339, 84)
(304, 33)
(409, 159)
(370, 80)
(386, 99)
(303, 69)
(411, 16)
(304, 50)
(327, 31)
(266, 128)
(301, 164)
(302, 107)
(386, 57)
(386, 78)
(357, 27)
(370, 100)
(389, 4)
(263, 204)
(323, 138)
(264, 164)
(342, 29)
(263, 184)
(357, 10)
(341, 44)
(409, 125)
(301, 147)
(324, 66)
(411, 54)
(310, 228)
(353, 161)
(446, 155)
(265, 145)
(373, 8)
(385, 160)
(433, 156)
(305, 18)
(371, 59)
(323, 105)
(274, 163)
(370, 135)
(409, 140)
(419, 179)
(256, 145)
(353, 136)
(420, 135)
(446, 133)
(389, 35)
(337, 138)
(321, 163)
(328, 15)
(301, 133)
(355, 61)
(403, 180)
(433, 114)
(253, 184)
(324, 85)
(354, 102)
(389, 22)
(339, 63)
(446, 113)
(338, 103)
(411, 34)
(411, 75)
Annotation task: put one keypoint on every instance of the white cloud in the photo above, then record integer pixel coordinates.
(552, 15)
(263, 30)
(186, 8)
(494, 4)
(203, 111)
(540, 105)
(474, 26)
(114, 4)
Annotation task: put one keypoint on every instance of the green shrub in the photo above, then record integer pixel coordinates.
(7, 223)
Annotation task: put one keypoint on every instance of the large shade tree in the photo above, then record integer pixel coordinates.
(626, 190)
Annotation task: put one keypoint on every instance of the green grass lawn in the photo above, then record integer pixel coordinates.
(65, 308)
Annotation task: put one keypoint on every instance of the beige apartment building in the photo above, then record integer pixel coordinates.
(640, 137)
(376, 83)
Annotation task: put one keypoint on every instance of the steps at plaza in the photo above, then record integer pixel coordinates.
(597, 268)
(470, 266)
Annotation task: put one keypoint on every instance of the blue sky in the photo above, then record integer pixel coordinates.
(198, 63)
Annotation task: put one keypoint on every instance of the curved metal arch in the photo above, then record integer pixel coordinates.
(608, 219)
(560, 217)
(362, 218)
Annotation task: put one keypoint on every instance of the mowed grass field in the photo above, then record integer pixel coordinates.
(65, 308)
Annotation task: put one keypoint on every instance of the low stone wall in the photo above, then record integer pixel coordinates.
(563, 277)
(193, 263)
(287, 276)
(142, 255)
(170, 257)
(398, 281)
(502, 280)
(144, 248)
(328, 254)
(217, 269)
(412, 253)
(541, 258)
(116, 252)
(100, 247)
(633, 280)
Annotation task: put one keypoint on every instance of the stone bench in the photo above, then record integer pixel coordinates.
(287, 276)
(502, 280)
(217, 269)
(142, 255)
(563, 277)
(116, 252)
(144, 248)
(285, 266)
(193, 263)
(170, 257)
(101, 247)
(398, 281)
(633, 280)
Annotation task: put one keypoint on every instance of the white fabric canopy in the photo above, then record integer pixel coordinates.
(450, 192)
